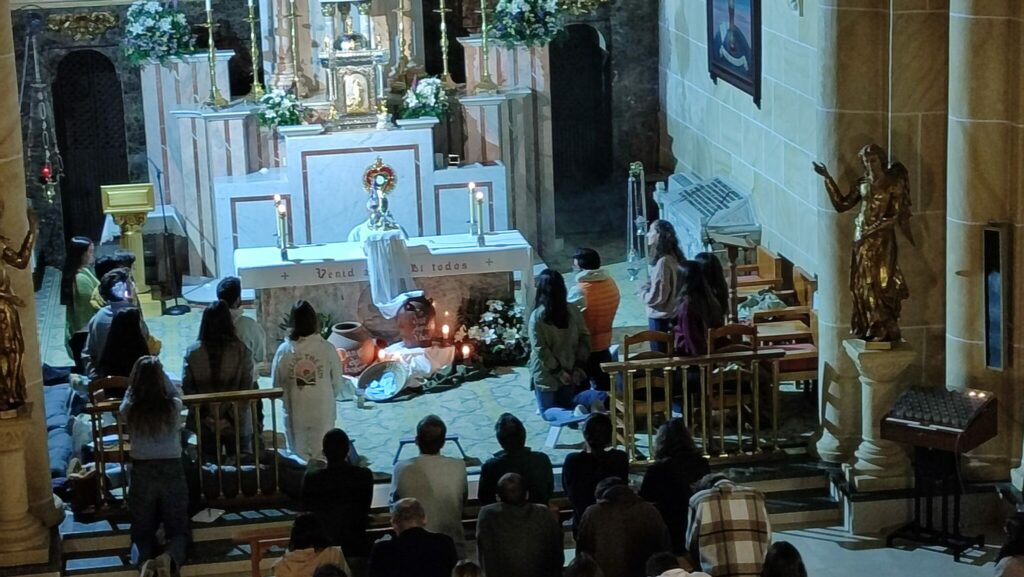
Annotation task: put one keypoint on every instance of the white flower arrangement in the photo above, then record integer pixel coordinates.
(155, 32)
(427, 97)
(279, 108)
(499, 333)
(526, 22)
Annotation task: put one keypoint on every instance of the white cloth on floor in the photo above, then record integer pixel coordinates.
(421, 362)
(391, 281)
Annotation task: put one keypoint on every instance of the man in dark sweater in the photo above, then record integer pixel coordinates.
(340, 496)
(415, 551)
(515, 457)
(516, 538)
(621, 531)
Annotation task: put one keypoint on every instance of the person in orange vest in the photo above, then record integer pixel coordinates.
(597, 295)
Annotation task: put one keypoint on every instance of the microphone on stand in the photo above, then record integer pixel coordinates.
(171, 263)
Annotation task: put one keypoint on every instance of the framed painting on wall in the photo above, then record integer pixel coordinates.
(734, 44)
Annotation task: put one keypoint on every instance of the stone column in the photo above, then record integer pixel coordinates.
(42, 503)
(983, 172)
(852, 56)
(24, 540)
(880, 464)
(285, 73)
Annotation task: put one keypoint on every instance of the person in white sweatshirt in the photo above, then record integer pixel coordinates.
(666, 564)
(308, 369)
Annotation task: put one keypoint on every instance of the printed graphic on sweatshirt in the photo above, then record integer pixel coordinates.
(307, 371)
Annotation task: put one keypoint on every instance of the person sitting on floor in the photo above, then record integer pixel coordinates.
(118, 292)
(1010, 560)
(436, 481)
(597, 295)
(515, 537)
(666, 564)
(783, 560)
(414, 550)
(559, 349)
(340, 495)
(668, 481)
(583, 470)
(308, 549)
(515, 457)
(621, 530)
(729, 531)
(308, 369)
(229, 290)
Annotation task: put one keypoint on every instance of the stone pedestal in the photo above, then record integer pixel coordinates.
(24, 540)
(880, 465)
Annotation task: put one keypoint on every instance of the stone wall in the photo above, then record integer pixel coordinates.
(716, 130)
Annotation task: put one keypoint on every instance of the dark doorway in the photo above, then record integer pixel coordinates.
(581, 116)
(432, 37)
(89, 117)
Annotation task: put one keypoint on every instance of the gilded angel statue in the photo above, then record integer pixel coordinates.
(876, 280)
(12, 344)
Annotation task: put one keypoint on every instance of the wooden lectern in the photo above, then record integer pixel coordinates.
(129, 205)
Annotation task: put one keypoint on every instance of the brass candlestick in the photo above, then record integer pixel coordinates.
(215, 99)
(257, 89)
(446, 77)
(486, 84)
(403, 59)
(294, 39)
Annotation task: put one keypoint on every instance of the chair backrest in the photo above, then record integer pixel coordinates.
(732, 337)
(769, 265)
(644, 337)
(107, 389)
(804, 284)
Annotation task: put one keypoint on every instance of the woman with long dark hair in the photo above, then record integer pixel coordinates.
(151, 410)
(308, 369)
(714, 274)
(126, 343)
(309, 548)
(216, 363)
(783, 560)
(661, 293)
(668, 481)
(559, 349)
(697, 312)
(1010, 561)
(77, 283)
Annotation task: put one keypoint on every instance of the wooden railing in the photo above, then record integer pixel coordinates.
(240, 463)
(717, 383)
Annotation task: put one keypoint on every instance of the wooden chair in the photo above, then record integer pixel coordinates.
(260, 542)
(107, 389)
(625, 408)
(735, 390)
(766, 273)
(804, 285)
(800, 364)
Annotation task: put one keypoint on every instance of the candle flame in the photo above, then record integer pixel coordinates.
(472, 185)
(479, 196)
(277, 198)
(445, 330)
(465, 352)
(381, 356)
(282, 209)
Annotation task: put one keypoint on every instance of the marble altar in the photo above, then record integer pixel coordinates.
(333, 277)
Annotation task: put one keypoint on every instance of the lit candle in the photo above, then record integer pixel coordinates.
(480, 211)
(472, 211)
(249, 3)
(465, 353)
(282, 224)
(444, 332)
(209, 6)
(381, 356)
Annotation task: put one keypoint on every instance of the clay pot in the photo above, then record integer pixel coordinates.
(416, 322)
(355, 346)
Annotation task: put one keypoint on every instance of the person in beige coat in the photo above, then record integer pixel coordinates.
(308, 548)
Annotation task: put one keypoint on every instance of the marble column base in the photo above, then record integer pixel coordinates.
(23, 538)
(879, 464)
(831, 444)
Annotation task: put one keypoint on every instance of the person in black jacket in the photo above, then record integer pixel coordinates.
(583, 470)
(515, 457)
(667, 483)
(414, 551)
(340, 495)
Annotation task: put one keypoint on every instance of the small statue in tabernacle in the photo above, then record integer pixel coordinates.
(876, 280)
(12, 344)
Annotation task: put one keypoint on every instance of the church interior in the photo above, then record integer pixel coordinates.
(784, 231)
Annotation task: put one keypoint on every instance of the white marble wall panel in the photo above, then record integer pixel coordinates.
(451, 198)
(245, 213)
(166, 88)
(325, 174)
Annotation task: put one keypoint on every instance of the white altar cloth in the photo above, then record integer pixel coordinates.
(431, 256)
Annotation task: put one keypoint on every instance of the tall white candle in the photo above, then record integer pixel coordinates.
(209, 5)
(479, 197)
(249, 3)
(472, 209)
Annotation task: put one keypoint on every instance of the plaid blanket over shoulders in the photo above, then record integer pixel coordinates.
(729, 532)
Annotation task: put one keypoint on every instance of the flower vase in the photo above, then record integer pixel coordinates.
(421, 122)
(355, 346)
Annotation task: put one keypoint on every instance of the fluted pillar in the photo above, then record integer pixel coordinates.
(984, 156)
(24, 539)
(852, 58)
(13, 223)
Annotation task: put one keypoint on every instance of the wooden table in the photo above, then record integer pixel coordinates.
(782, 331)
